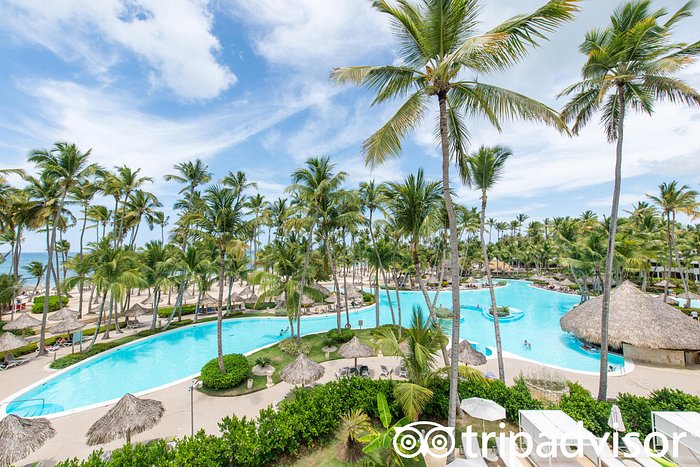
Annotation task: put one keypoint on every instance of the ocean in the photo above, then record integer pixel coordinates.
(25, 259)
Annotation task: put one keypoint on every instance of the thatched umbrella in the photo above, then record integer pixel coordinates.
(23, 322)
(306, 301)
(246, 291)
(19, 437)
(355, 349)
(539, 278)
(63, 313)
(331, 299)
(68, 325)
(236, 298)
(324, 291)
(252, 298)
(352, 293)
(469, 355)
(567, 283)
(635, 318)
(302, 371)
(9, 341)
(129, 416)
(663, 283)
(208, 301)
(135, 311)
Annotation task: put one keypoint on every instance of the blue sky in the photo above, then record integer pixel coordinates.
(243, 84)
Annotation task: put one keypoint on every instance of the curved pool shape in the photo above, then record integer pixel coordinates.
(177, 355)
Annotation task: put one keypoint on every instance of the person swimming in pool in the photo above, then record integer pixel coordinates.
(527, 345)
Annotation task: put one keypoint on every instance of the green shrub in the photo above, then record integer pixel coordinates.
(376, 332)
(260, 306)
(293, 346)
(367, 298)
(200, 450)
(236, 369)
(344, 336)
(38, 305)
(263, 361)
(636, 410)
(579, 404)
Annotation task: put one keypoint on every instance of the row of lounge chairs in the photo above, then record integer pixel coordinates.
(11, 361)
(387, 372)
(350, 371)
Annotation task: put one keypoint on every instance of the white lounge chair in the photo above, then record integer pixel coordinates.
(606, 457)
(385, 371)
(507, 452)
(643, 458)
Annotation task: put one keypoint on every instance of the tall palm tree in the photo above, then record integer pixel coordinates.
(257, 205)
(631, 63)
(125, 182)
(83, 194)
(486, 168)
(415, 205)
(219, 221)
(314, 186)
(67, 166)
(156, 269)
(439, 45)
(35, 269)
(672, 199)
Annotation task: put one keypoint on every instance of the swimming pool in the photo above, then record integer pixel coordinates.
(175, 356)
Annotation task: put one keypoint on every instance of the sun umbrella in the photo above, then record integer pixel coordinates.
(23, 321)
(302, 371)
(483, 409)
(469, 355)
(63, 313)
(135, 311)
(567, 283)
(355, 349)
(67, 326)
(615, 420)
(129, 416)
(236, 298)
(9, 341)
(331, 298)
(19, 437)
(247, 291)
(306, 301)
(252, 298)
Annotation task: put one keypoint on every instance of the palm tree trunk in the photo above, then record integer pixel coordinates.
(607, 278)
(489, 279)
(80, 285)
(684, 278)
(156, 299)
(99, 322)
(454, 260)
(381, 269)
(302, 283)
(329, 256)
(376, 298)
(219, 315)
(178, 301)
(345, 287)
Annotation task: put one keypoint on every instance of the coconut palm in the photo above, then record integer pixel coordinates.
(486, 168)
(219, 221)
(631, 63)
(673, 198)
(258, 206)
(65, 164)
(439, 45)
(156, 269)
(83, 193)
(35, 269)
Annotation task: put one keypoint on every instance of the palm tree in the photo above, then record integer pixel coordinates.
(66, 165)
(219, 221)
(415, 206)
(257, 205)
(239, 183)
(125, 182)
(438, 46)
(156, 269)
(314, 186)
(631, 63)
(83, 194)
(672, 199)
(35, 269)
(486, 168)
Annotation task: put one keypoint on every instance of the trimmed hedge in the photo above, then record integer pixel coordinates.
(236, 369)
(38, 304)
(344, 336)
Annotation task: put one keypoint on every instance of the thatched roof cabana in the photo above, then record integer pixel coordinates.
(306, 301)
(540, 278)
(355, 349)
(63, 313)
(331, 298)
(635, 318)
(19, 437)
(469, 355)
(324, 291)
(67, 326)
(209, 301)
(663, 284)
(129, 416)
(246, 291)
(302, 371)
(236, 298)
(135, 311)
(9, 341)
(252, 298)
(567, 283)
(23, 321)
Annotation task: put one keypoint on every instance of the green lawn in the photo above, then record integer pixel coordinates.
(281, 359)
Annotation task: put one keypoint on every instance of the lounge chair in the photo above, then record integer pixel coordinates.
(364, 371)
(403, 372)
(385, 371)
(606, 457)
(507, 452)
(11, 361)
(643, 458)
(342, 373)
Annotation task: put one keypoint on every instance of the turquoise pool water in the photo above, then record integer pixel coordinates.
(178, 354)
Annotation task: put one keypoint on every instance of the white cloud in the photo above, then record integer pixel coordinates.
(174, 38)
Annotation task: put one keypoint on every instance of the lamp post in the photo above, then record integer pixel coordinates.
(193, 385)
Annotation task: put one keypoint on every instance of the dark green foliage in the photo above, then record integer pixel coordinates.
(636, 409)
(292, 346)
(344, 336)
(38, 305)
(236, 369)
(367, 298)
(580, 405)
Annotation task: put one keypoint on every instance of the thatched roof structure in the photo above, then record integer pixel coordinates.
(302, 371)
(67, 326)
(331, 298)
(306, 300)
(208, 300)
(663, 283)
(63, 313)
(352, 293)
(135, 311)
(324, 291)
(567, 283)
(635, 318)
(23, 321)
(469, 355)
(9, 341)
(355, 349)
(129, 416)
(246, 291)
(19, 437)
(252, 298)
(236, 298)
(433, 280)
(539, 278)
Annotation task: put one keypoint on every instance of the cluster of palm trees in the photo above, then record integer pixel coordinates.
(394, 233)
